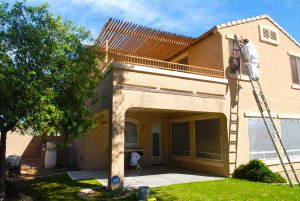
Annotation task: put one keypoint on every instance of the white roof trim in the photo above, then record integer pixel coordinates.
(241, 21)
(288, 116)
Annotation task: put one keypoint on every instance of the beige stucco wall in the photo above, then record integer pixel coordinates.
(17, 143)
(94, 146)
(208, 52)
(276, 78)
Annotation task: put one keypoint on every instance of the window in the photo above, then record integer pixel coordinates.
(295, 65)
(180, 138)
(260, 144)
(268, 34)
(208, 139)
(131, 135)
(290, 133)
(236, 62)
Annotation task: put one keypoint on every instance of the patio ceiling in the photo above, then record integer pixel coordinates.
(120, 37)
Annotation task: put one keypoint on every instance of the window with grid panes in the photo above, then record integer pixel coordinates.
(260, 143)
(290, 134)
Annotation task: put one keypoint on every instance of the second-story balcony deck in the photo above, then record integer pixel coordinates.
(132, 44)
(159, 64)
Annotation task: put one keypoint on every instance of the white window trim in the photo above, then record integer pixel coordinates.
(230, 36)
(295, 86)
(291, 53)
(277, 161)
(288, 116)
(257, 114)
(268, 40)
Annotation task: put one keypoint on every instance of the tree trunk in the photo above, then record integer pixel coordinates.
(2, 164)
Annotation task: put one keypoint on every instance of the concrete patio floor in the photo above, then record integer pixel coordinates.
(150, 176)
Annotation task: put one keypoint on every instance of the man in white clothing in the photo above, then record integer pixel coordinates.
(135, 157)
(252, 59)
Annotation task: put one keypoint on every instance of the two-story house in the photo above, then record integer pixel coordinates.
(178, 99)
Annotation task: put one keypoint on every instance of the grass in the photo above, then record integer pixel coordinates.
(63, 188)
(59, 187)
(227, 189)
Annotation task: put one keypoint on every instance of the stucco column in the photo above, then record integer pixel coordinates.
(116, 150)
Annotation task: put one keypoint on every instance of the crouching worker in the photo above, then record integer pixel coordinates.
(135, 159)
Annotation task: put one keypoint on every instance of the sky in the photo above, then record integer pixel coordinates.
(187, 17)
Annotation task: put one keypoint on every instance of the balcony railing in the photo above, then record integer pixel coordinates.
(159, 64)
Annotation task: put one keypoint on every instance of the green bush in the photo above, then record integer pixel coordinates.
(257, 171)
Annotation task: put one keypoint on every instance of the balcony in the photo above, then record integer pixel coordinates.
(132, 44)
(159, 64)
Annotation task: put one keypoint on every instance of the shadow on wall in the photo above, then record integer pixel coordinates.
(34, 154)
(35, 146)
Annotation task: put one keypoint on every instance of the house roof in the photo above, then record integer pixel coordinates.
(242, 21)
(238, 22)
(132, 39)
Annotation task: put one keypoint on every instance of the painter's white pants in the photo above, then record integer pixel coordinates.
(252, 66)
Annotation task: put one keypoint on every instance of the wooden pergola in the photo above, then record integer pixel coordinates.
(124, 38)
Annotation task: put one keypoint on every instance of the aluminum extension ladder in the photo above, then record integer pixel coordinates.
(265, 112)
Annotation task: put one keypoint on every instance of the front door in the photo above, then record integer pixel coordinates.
(157, 143)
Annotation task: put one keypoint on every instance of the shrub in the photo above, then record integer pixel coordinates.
(257, 171)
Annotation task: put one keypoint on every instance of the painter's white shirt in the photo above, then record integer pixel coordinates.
(135, 157)
(251, 52)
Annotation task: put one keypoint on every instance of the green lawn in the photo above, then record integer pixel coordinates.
(63, 188)
(227, 189)
(59, 187)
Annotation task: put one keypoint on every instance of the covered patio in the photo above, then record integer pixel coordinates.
(151, 176)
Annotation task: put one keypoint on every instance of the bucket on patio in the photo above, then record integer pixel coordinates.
(143, 193)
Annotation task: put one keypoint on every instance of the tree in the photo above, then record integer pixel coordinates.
(47, 75)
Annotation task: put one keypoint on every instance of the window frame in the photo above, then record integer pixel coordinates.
(283, 139)
(240, 63)
(265, 152)
(270, 31)
(171, 137)
(296, 67)
(220, 138)
(137, 123)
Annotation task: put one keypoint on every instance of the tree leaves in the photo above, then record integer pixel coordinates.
(46, 72)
